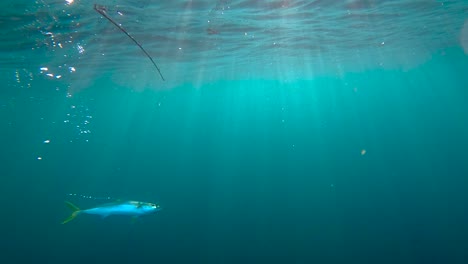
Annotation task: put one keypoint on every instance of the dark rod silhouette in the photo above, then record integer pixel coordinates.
(102, 10)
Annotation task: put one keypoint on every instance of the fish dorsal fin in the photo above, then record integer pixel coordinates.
(137, 204)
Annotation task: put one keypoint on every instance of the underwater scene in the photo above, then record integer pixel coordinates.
(234, 131)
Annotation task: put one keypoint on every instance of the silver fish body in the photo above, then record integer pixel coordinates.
(128, 208)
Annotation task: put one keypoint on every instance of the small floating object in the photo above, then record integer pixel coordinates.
(102, 10)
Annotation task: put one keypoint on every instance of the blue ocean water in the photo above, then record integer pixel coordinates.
(284, 132)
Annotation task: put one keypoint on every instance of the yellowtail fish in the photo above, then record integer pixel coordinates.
(129, 208)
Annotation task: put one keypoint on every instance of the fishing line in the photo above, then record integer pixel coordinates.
(102, 10)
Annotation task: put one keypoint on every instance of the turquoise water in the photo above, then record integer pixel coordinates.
(332, 148)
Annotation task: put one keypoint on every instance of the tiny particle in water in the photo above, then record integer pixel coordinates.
(80, 49)
(47, 141)
(39, 158)
(363, 152)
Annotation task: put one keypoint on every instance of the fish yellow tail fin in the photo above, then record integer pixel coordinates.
(75, 212)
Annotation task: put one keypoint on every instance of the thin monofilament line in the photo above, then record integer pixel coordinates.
(101, 10)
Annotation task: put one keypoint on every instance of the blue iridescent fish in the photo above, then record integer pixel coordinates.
(128, 208)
